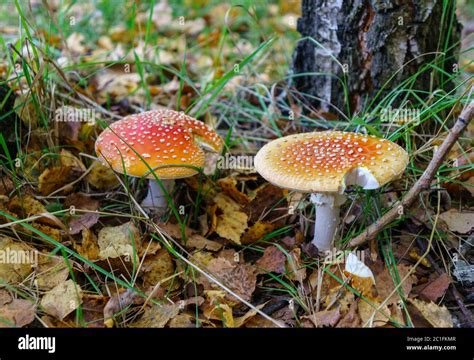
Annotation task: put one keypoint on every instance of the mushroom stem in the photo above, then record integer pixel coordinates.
(327, 218)
(156, 198)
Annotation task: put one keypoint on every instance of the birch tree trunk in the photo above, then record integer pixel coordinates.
(377, 43)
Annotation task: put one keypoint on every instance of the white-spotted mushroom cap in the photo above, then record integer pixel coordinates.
(328, 161)
(169, 141)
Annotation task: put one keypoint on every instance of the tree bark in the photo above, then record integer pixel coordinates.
(377, 43)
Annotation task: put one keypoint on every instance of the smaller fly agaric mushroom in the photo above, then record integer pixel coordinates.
(169, 142)
(324, 164)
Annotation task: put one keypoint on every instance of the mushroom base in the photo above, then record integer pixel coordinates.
(327, 219)
(156, 199)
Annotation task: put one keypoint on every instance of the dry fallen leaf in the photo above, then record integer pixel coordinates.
(273, 260)
(158, 315)
(16, 260)
(88, 248)
(435, 289)
(54, 178)
(28, 206)
(52, 271)
(242, 320)
(257, 231)
(102, 177)
(231, 224)
(268, 204)
(385, 286)
(325, 318)
(15, 312)
(437, 316)
(122, 240)
(469, 185)
(240, 278)
(296, 270)
(82, 222)
(118, 302)
(226, 204)
(62, 299)
(351, 319)
(116, 83)
(460, 222)
(75, 43)
(53, 233)
(69, 160)
(93, 309)
(81, 201)
(370, 316)
(193, 239)
(183, 320)
(229, 187)
(260, 322)
(217, 308)
(158, 267)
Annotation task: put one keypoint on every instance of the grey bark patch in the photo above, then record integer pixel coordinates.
(382, 43)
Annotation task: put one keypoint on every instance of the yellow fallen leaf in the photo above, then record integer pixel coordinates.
(158, 315)
(202, 258)
(89, 247)
(242, 320)
(415, 256)
(437, 316)
(257, 231)
(370, 316)
(158, 267)
(16, 260)
(122, 240)
(55, 178)
(69, 160)
(52, 271)
(62, 299)
(28, 206)
(225, 203)
(102, 177)
(232, 225)
(183, 320)
(48, 231)
(216, 308)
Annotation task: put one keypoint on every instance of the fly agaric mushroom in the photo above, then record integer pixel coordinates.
(169, 142)
(324, 164)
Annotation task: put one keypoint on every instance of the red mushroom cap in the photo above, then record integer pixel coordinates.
(168, 141)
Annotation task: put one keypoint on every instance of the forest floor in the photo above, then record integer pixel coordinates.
(233, 249)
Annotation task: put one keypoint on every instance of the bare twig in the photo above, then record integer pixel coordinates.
(423, 182)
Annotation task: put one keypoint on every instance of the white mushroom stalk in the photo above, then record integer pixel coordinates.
(327, 208)
(156, 198)
(328, 205)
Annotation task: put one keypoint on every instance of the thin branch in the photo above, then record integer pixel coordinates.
(423, 182)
